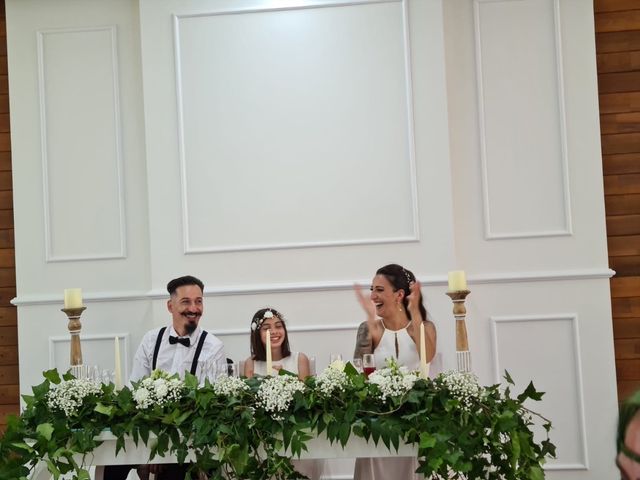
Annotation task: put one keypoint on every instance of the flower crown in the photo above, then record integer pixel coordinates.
(256, 322)
(408, 276)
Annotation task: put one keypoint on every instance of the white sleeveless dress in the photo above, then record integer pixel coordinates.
(396, 344)
(290, 364)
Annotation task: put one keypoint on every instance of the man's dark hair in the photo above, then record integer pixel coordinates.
(176, 283)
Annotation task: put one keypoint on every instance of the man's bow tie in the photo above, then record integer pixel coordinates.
(184, 341)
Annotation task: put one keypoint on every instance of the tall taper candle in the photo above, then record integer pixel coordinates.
(424, 367)
(73, 298)
(117, 372)
(269, 362)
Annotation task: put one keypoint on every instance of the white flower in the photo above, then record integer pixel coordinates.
(229, 386)
(268, 314)
(332, 378)
(70, 395)
(141, 395)
(337, 365)
(393, 381)
(161, 388)
(461, 385)
(276, 393)
(158, 389)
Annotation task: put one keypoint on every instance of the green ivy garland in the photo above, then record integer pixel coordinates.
(487, 436)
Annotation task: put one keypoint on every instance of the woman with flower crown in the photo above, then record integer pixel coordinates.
(270, 320)
(392, 330)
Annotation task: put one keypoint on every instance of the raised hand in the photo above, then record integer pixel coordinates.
(365, 302)
(414, 296)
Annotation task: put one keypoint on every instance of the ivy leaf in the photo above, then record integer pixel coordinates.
(515, 451)
(22, 446)
(530, 392)
(536, 473)
(508, 378)
(52, 375)
(427, 440)
(104, 409)
(45, 430)
(84, 475)
(51, 466)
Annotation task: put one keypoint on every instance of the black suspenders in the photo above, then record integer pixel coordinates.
(157, 349)
(194, 364)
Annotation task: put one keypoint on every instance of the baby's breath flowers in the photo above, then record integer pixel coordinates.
(461, 385)
(393, 381)
(332, 378)
(158, 389)
(70, 395)
(230, 386)
(276, 393)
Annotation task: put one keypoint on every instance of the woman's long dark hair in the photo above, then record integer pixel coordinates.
(401, 278)
(258, 350)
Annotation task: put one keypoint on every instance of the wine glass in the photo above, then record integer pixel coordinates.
(334, 357)
(357, 364)
(368, 364)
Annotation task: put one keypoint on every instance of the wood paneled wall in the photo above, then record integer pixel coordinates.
(617, 25)
(9, 388)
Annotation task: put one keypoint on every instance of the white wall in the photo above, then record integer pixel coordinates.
(283, 150)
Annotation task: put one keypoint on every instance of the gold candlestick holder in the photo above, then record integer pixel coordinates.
(74, 329)
(462, 343)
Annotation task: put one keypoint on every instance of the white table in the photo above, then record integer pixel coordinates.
(139, 454)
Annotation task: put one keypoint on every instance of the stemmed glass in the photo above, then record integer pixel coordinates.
(368, 364)
(334, 357)
(357, 364)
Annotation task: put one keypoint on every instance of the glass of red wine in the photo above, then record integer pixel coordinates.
(368, 364)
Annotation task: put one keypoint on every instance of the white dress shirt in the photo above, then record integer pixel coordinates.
(174, 358)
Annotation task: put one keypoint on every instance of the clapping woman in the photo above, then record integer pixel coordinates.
(392, 330)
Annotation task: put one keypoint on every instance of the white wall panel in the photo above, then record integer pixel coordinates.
(518, 342)
(268, 127)
(328, 136)
(290, 113)
(81, 147)
(523, 149)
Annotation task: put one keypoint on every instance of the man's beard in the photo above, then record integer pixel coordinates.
(190, 327)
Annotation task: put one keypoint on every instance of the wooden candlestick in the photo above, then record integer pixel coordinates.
(74, 329)
(462, 343)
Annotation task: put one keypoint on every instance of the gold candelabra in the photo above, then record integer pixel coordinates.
(74, 329)
(462, 343)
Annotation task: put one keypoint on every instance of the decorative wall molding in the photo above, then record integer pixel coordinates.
(108, 342)
(410, 140)
(290, 328)
(578, 375)
(324, 286)
(120, 252)
(490, 234)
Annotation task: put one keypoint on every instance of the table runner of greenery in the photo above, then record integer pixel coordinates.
(461, 429)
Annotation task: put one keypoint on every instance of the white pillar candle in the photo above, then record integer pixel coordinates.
(269, 362)
(73, 298)
(457, 281)
(424, 366)
(117, 372)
